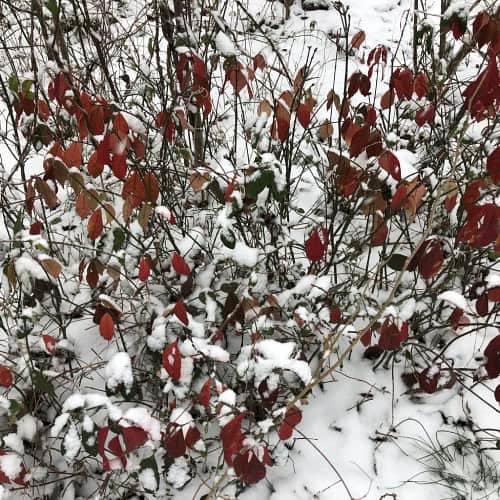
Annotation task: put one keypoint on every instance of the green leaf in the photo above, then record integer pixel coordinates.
(14, 83)
(52, 6)
(119, 239)
(18, 225)
(397, 261)
(26, 87)
(228, 238)
(259, 183)
(42, 383)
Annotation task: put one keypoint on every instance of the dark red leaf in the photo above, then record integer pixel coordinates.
(151, 187)
(304, 115)
(174, 441)
(493, 165)
(248, 467)
(6, 377)
(119, 165)
(482, 304)
(492, 354)
(192, 436)
(204, 395)
(120, 125)
(134, 437)
(172, 360)
(431, 259)
(390, 163)
(335, 315)
(400, 197)
(49, 343)
(180, 312)
(144, 269)
(180, 265)
(366, 339)
(95, 225)
(428, 379)
(232, 438)
(107, 327)
(316, 245)
(293, 416)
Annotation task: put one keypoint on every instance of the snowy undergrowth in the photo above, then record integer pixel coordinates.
(250, 250)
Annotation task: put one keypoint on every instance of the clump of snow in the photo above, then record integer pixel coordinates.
(119, 371)
(224, 45)
(11, 465)
(178, 473)
(72, 443)
(27, 427)
(147, 479)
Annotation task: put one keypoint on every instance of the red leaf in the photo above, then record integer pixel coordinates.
(6, 377)
(366, 339)
(119, 166)
(402, 81)
(292, 417)
(102, 434)
(387, 100)
(229, 190)
(204, 395)
(431, 260)
(428, 379)
(120, 125)
(493, 165)
(390, 163)
(358, 39)
(96, 120)
(497, 393)
(151, 187)
(380, 231)
(420, 85)
(134, 190)
(492, 353)
(391, 337)
(172, 360)
(192, 436)
(36, 228)
(335, 315)
(304, 115)
(72, 157)
(49, 343)
(180, 312)
(494, 294)
(95, 225)
(316, 245)
(174, 442)
(248, 467)
(400, 197)
(425, 115)
(455, 318)
(482, 304)
(180, 265)
(95, 167)
(107, 327)
(232, 438)
(134, 437)
(144, 269)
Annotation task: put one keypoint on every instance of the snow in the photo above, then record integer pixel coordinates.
(119, 371)
(11, 465)
(178, 473)
(224, 45)
(72, 443)
(27, 427)
(243, 255)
